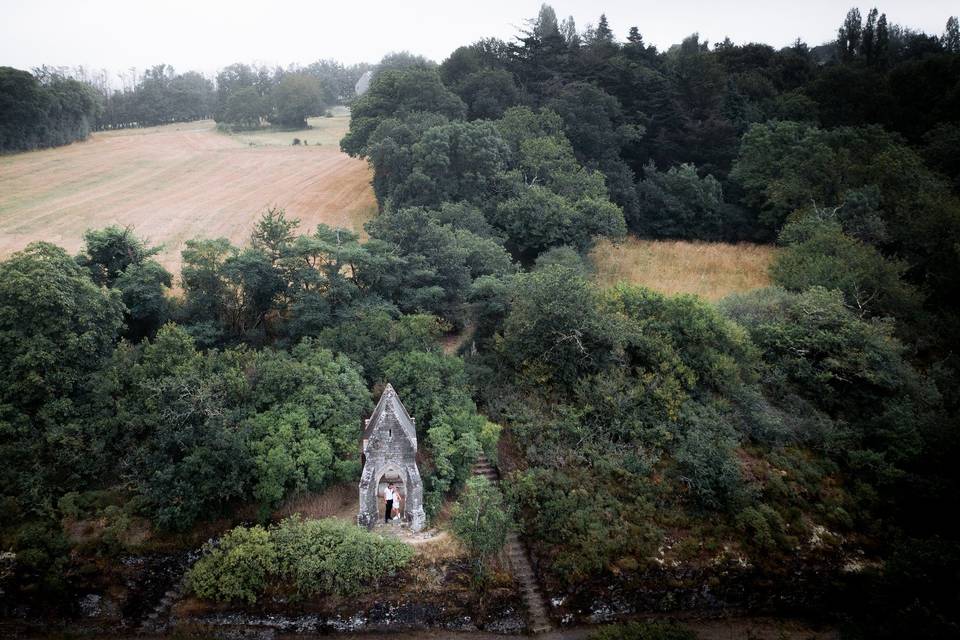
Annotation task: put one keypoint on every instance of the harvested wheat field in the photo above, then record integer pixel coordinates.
(177, 182)
(710, 270)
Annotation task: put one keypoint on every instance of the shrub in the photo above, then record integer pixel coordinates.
(762, 525)
(644, 631)
(237, 568)
(583, 519)
(481, 522)
(332, 556)
(318, 556)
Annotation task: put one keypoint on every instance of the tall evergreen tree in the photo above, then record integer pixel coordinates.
(603, 34)
(881, 45)
(868, 45)
(950, 41)
(850, 34)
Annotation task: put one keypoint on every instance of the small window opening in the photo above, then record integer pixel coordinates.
(389, 433)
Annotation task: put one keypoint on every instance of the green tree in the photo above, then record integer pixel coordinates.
(143, 289)
(678, 203)
(481, 522)
(295, 98)
(487, 93)
(303, 434)
(56, 329)
(175, 418)
(849, 36)
(229, 290)
(108, 252)
(397, 93)
(819, 253)
(950, 40)
(538, 219)
(554, 331)
(245, 108)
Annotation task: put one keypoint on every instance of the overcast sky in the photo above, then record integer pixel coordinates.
(208, 34)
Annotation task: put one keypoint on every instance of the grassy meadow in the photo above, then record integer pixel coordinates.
(710, 270)
(323, 132)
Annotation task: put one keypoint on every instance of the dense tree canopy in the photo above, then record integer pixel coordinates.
(43, 111)
(783, 429)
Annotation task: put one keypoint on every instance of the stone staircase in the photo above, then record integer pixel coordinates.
(158, 619)
(539, 621)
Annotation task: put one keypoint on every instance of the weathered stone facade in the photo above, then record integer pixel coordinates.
(390, 455)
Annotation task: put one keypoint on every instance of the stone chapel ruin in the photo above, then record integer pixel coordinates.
(389, 449)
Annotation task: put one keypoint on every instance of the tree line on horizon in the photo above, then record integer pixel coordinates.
(55, 106)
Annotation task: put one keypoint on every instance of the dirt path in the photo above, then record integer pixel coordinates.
(174, 183)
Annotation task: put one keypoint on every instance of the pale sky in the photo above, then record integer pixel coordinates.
(206, 35)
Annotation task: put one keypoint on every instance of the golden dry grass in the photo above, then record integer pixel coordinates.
(181, 181)
(339, 501)
(710, 270)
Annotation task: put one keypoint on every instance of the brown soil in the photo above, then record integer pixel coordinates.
(174, 183)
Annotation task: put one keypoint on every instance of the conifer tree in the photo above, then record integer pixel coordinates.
(850, 35)
(868, 44)
(951, 36)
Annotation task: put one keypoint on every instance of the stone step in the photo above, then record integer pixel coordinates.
(171, 594)
(519, 561)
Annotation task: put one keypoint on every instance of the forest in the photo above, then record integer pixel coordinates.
(798, 426)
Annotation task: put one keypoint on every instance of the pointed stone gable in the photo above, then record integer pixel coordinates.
(388, 412)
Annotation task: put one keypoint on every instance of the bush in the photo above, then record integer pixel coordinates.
(762, 526)
(237, 568)
(332, 556)
(583, 519)
(644, 631)
(480, 521)
(319, 556)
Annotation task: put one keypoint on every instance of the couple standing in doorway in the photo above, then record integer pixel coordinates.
(392, 497)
